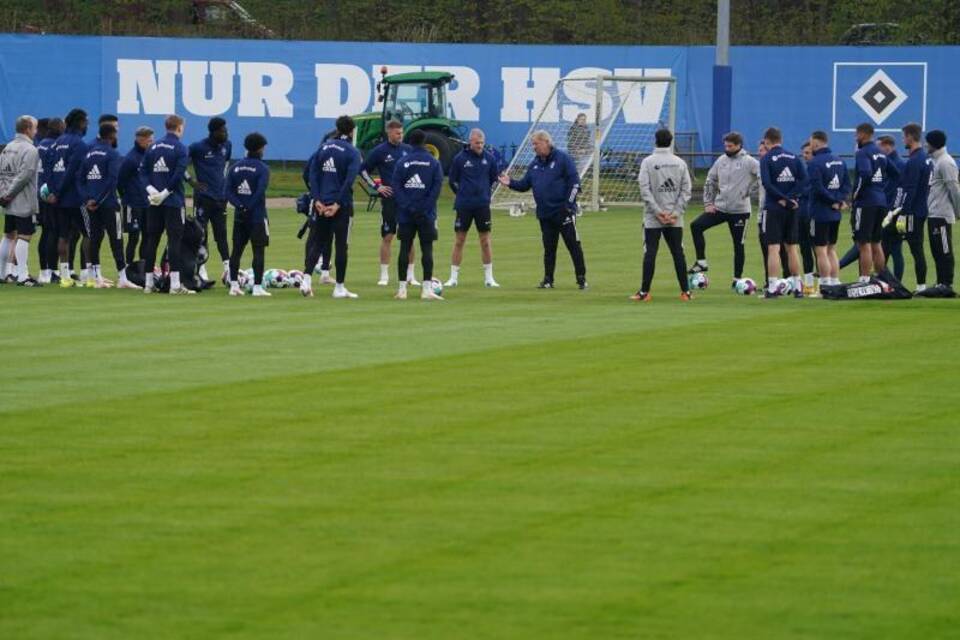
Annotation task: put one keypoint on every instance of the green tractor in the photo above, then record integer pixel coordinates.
(418, 101)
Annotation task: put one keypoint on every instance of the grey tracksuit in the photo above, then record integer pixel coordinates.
(731, 181)
(19, 163)
(943, 201)
(665, 187)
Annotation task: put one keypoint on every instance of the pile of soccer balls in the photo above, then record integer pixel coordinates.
(272, 279)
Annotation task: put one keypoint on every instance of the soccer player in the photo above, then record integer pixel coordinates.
(67, 154)
(210, 158)
(553, 177)
(726, 199)
(869, 202)
(162, 172)
(18, 198)
(829, 189)
(665, 187)
(98, 176)
(473, 173)
(47, 247)
(783, 175)
(418, 180)
(890, 240)
(914, 189)
(383, 159)
(313, 237)
(109, 118)
(133, 197)
(246, 190)
(943, 204)
(805, 226)
(331, 189)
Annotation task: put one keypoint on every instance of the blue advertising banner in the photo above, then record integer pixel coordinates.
(292, 91)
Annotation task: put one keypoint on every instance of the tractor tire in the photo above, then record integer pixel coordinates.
(440, 147)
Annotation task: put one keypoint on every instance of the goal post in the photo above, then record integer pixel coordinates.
(606, 124)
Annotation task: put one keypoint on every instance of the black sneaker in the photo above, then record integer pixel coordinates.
(798, 294)
(29, 282)
(54, 278)
(582, 284)
(9, 279)
(545, 284)
(768, 295)
(698, 268)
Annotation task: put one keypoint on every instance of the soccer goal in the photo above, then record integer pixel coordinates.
(606, 123)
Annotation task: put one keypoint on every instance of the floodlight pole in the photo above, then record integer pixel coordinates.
(722, 77)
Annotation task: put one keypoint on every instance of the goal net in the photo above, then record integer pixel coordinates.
(606, 123)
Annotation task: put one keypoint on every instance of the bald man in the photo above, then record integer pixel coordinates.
(473, 174)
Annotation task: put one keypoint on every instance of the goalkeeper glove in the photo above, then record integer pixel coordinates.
(157, 197)
(890, 217)
(902, 224)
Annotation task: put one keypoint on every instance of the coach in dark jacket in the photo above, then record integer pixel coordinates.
(555, 182)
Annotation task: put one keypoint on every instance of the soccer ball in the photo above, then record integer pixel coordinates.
(785, 287)
(294, 278)
(245, 279)
(437, 286)
(276, 278)
(746, 287)
(698, 281)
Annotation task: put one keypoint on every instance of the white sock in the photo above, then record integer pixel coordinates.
(319, 264)
(258, 288)
(488, 272)
(11, 269)
(174, 280)
(97, 273)
(46, 273)
(808, 279)
(455, 271)
(226, 266)
(122, 276)
(339, 287)
(22, 251)
(64, 270)
(797, 283)
(921, 287)
(324, 274)
(410, 273)
(773, 285)
(307, 283)
(384, 271)
(4, 252)
(148, 280)
(202, 272)
(403, 285)
(702, 263)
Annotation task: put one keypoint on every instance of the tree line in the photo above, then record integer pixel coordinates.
(647, 22)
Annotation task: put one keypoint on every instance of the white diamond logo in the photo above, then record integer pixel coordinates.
(879, 97)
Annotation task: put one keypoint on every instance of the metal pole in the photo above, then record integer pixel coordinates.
(723, 33)
(598, 112)
(722, 78)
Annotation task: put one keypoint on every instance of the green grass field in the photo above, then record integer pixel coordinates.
(510, 463)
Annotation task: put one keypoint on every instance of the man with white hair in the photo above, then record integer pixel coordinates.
(18, 197)
(555, 183)
(473, 173)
